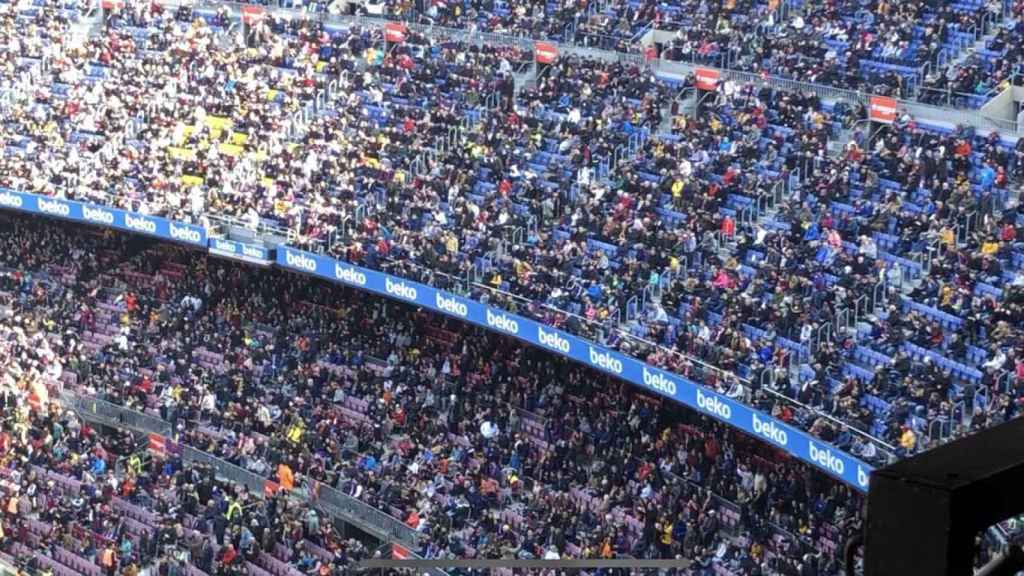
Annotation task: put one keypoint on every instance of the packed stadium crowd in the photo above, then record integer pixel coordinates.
(78, 499)
(729, 224)
(922, 50)
(862, 284)
(681, 208)
(874, 47)
(488, 449)
(68, 512)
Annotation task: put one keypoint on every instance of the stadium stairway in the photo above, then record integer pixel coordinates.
(980, 44)
(88, 24)
(526, 79)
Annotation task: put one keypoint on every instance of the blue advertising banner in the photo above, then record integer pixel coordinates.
(104, 216)
(252, 253)
(682, 390)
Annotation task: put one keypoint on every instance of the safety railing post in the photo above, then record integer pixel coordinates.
(767, 378)
(665, 280)
(935, 430)
(814, 344)
(860, 309)
(878, 297)
(841, 322)
(794, 180)
(647, 296)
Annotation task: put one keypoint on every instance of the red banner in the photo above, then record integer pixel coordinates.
(883, 109)
(706, 78)
(111, 4)
(253, 14)
(545, 52)
(394, 32)
(157, 445)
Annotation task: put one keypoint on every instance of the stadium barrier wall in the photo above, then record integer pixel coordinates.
(104, 216)
(252, 253)
(803, 446)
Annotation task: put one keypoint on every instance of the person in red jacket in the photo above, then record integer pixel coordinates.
(728, 226)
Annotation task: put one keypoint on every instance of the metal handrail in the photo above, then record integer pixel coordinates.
(343, 506)
(890, 450)
(822, 333)
(261, 229)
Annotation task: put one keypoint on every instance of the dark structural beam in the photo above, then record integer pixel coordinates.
(924, 512)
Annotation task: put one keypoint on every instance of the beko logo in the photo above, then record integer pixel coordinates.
(502, 322)
(451, 305)
(252, 251)
(185, 233)
(714, 405)
(659, 382)
(139, 223)
(605, 360)
(770, 431)
(225, 246)
(54, 207)
(299, 260)
(826, 459)
(862, 477)
(97, 215)
(552, 340)
(8, 199)
(400, 289)
(349, 274)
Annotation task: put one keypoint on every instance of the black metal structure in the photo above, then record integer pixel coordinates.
(924, 512)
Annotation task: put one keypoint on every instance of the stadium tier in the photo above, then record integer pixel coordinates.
(792, 228)
(947, 53)
(485, 449)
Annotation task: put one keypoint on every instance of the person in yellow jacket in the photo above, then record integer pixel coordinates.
(135, 465)
(234, 511)
(677, 189)
(946, 296)
(295, 432)
(947, 236)
(666, 536)
(673, 263)
(908, 440)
